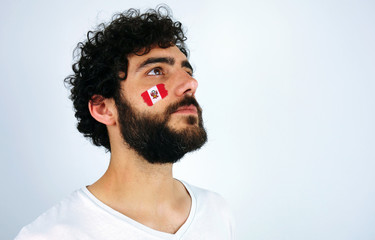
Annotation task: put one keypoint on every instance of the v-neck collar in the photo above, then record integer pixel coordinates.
(163, 235)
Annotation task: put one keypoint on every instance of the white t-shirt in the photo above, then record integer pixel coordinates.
(82, 216)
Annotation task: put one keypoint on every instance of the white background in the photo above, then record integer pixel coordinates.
(287, 89)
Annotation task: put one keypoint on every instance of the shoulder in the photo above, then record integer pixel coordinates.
(212, 208)
(207, 197)
(209, 202)
(58, 220)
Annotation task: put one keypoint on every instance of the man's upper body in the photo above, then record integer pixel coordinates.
(82, 216)
(134, 93)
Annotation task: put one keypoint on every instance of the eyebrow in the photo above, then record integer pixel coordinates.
(148, 61)
(167, 60)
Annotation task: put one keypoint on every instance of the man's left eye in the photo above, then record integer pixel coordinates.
(190, 73)
(155, 71)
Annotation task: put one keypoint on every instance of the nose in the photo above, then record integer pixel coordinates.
(186, 84)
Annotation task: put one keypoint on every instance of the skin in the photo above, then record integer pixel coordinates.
(146, 192)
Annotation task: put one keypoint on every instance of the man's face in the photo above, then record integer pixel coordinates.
(173, 126)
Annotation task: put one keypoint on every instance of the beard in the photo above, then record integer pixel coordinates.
(152, 138)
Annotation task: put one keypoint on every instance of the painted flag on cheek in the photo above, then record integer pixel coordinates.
(154, 94)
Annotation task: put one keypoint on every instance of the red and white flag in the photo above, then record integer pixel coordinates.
(154, 94)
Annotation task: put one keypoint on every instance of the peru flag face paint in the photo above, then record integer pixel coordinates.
(154, 94)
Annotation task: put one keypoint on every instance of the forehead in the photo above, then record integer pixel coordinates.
(172, 52)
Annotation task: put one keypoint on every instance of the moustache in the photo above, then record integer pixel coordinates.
(186, 101)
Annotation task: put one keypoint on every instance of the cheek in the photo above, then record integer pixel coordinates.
(154, 94)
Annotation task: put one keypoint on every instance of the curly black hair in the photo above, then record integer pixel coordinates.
(104, 54)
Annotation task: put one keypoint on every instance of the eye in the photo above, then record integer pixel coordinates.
(189, 72)
(155, 71)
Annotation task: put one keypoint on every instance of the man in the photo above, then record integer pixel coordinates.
(133, 91)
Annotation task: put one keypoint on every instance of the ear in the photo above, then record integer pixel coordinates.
(121, 74)
(103, 110)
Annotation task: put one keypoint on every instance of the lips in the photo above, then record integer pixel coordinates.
(191, 109)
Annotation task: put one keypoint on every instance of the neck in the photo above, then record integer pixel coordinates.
(145, 192)
(131, 179)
